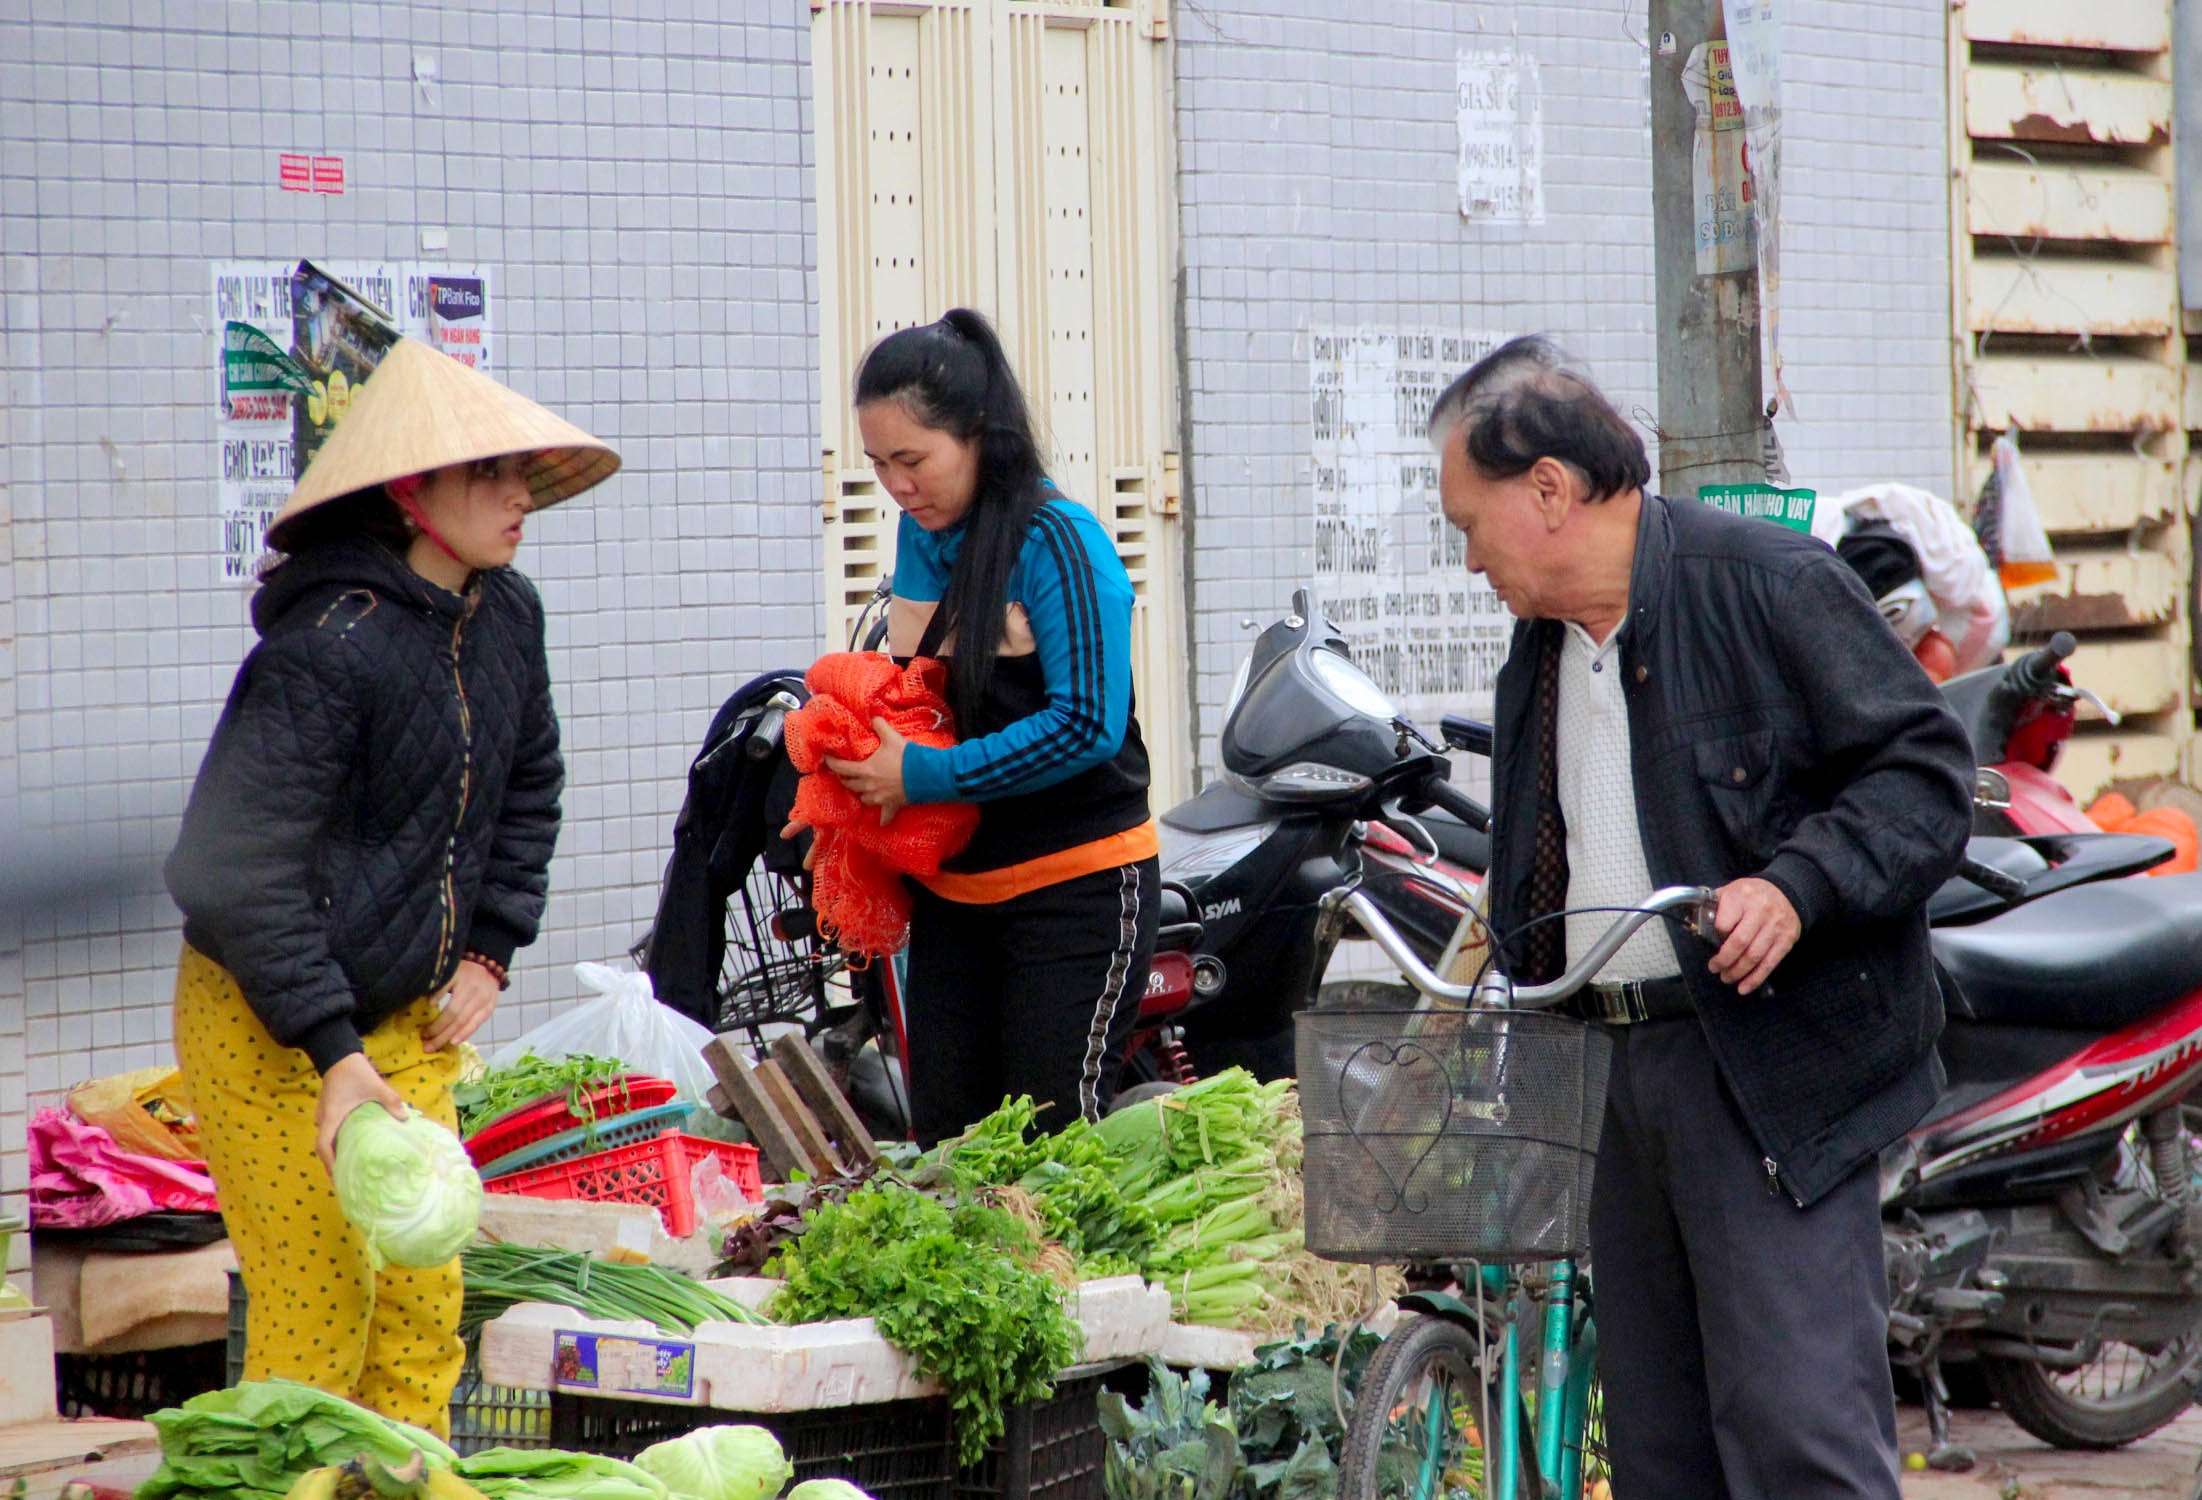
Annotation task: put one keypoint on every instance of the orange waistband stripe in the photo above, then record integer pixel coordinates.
(988, 887)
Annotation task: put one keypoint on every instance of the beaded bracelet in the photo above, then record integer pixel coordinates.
(497, 970)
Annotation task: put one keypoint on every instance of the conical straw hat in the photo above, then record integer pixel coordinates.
(423, 410)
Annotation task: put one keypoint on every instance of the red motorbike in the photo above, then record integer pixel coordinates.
(2018, 717)
(2043, 1226)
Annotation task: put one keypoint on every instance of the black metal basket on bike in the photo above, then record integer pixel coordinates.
(1439, 1136)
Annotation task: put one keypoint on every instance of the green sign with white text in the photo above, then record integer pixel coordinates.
(1765, 502)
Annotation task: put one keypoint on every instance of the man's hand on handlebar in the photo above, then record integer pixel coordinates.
(1758, 927)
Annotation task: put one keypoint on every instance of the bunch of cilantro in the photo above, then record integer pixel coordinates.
(954, 1288)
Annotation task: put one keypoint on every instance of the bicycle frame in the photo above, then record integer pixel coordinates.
(1552, 1437)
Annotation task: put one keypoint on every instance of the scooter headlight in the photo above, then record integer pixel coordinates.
(1351, 686)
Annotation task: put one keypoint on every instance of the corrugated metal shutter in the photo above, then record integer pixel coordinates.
(2069, 329)
(1011, 156)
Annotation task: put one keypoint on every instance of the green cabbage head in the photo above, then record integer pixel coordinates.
(720, 1463)
(407, 1186)
(826, 1489)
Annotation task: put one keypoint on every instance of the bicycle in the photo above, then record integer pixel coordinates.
(1462, 1134)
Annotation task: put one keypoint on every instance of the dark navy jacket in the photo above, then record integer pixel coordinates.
(1779, 729)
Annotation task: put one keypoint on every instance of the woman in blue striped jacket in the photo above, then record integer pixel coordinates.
(1029, 953)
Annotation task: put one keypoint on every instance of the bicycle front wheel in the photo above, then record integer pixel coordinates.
(1412, 1433)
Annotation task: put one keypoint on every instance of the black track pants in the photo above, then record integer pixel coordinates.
(1743, 1340)
(1034, 995)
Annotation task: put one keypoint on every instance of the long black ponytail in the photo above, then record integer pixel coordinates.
(952, 376)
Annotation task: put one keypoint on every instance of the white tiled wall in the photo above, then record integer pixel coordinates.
(1318, 190)
(637, 179)
(636, 176)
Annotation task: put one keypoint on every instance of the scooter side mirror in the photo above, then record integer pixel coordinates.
(1991, 790)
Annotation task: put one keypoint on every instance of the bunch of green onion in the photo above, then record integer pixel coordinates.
(499, 1277)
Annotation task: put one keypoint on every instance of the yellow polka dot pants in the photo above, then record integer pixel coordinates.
(388, 1341)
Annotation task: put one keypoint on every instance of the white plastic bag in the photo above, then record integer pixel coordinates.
(623, 1021)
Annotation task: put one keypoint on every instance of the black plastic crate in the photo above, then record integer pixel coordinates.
(132, 1385)
(482, 1415)
(1048, 1450)
(891, 1450)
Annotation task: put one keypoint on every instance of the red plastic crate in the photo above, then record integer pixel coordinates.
(652, 1172)
(550, 1115)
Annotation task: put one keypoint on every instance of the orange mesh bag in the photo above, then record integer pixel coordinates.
(856, 875)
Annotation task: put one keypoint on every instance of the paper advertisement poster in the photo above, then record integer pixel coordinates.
(289, 352)
(1390, 571)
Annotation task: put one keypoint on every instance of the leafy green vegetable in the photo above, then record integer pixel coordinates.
(720, 1463)
(501, 1276)
(1175, 1445)
(502, 1090)
(951, 1288)
(1070, 1178)
(1279, 1438)
(257, 1438)
(826, 1489)
(407, 1186)
(552, 1474)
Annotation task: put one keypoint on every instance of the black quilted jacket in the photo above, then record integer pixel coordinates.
(1778, 729)
(380, 797)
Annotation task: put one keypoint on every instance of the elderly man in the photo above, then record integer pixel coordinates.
(1693, 698)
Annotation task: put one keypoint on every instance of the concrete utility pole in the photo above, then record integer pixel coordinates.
(1710, 407)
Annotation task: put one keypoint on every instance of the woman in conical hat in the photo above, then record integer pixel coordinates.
(365, 848)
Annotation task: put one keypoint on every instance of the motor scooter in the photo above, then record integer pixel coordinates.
(1322, 781)
(2018, 716)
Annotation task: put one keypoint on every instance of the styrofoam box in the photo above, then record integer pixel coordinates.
(1189, 1346)
(739, 1366)
(26, 1371)
(1122, 1317)
(744, 1367)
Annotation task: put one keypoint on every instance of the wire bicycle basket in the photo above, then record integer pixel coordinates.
(1439, 1136)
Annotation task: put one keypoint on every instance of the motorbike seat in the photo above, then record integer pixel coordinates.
(2091, 958)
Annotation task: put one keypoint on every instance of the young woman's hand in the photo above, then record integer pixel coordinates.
(877, 779)
(794, 830)
(344, 1088)
(474, 992)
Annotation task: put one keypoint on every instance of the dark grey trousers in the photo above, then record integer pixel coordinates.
(1742, 1339)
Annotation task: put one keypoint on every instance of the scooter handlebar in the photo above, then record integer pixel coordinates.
(1457, 802)
(2035, 673)
(1990, 879)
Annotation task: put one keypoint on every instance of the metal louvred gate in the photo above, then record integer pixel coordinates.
(1012, 156)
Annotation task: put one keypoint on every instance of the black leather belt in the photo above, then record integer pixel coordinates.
(1625, 1002)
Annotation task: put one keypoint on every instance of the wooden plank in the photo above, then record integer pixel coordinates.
(827, 1102)
(2069, 106)
(41, 1447)
(2075, 394)
(2190, 398)
(2026, 203)
(2091, 762)
(2095, 492)
(798, 1114)
(2070, 294)
(2133, 677)
(2099, 591)
(2105, 25)
(747, 1101)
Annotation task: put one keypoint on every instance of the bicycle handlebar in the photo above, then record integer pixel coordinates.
(1495, 989)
